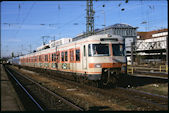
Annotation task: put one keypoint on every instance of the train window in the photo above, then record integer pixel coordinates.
(40, 59)
(54, 57)
(46, 57)
(84, 50)
(66, 56)
(62, 56)
(71, 55)
(50, 57)
(98, 49)
(118, 49)
(58, 56)
(77, 54)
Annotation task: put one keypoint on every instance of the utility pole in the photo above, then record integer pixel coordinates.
(132, 53)
(89, 18)
(43, 40)
(30, 48)
(167, 50)
(54, 40)
(13, 54)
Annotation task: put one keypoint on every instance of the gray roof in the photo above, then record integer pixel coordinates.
(118, 25)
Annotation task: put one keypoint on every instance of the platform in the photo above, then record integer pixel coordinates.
(9, 97)
(143, 75)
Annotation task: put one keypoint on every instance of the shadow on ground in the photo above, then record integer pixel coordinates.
(135, 81)
(98, 108)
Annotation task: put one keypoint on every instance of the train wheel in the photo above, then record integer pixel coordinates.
(100, 84)
(81, 80)
(95, 84)
(86, 80)
(75, 78)
(113, 82)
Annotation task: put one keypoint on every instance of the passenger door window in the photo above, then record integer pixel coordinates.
(77, 54)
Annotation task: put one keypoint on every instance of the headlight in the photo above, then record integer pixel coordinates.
(98, 65)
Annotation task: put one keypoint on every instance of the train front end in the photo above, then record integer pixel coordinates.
(107, 57)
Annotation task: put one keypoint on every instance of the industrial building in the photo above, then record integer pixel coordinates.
(152, 47)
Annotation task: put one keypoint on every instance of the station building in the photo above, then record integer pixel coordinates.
(151, 47)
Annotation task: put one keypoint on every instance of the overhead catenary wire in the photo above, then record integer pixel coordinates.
(75, 19)
(24, 19)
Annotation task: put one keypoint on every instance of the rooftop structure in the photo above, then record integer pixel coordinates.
(152, 34)
(54, 43)
(152, 45)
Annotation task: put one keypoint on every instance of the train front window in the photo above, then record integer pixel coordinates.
(98, 49)
(118, 49)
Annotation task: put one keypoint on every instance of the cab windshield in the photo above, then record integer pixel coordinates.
(98, 49)
(118, 49)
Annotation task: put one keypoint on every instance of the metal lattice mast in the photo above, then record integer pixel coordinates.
(90, 18)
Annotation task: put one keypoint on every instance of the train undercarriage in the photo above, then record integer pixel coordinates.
(109, 76)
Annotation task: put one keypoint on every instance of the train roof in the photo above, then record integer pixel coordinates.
(98, 37)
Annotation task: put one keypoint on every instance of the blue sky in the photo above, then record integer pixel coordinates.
(23, 23)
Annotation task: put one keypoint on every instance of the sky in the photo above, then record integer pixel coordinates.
(24, 23)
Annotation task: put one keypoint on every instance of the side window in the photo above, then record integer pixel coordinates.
(84, 50)
(58, 56)
(62, 56)
(42, 58)
(54, 57)
(46, 57)
(49, 57)
(66, 56)
(89, 49)
(71, 55)
(77, 54)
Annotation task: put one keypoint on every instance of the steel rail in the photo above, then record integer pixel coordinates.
(143, 94)
(115, 94)
(146, 93)
(52, 93)
(29, 95)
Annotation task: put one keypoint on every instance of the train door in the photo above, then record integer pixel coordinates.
(84, 58)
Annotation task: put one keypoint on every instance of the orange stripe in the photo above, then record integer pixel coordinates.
(68, 70)
(105, 65)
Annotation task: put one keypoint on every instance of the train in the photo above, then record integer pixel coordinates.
(98, 58)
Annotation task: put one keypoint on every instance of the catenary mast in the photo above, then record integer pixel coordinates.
(89, 18)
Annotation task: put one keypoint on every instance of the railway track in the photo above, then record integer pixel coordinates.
(137, 98)
(31, 102)
(140, 98)
(49, 99)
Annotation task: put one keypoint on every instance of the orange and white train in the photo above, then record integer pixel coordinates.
(97, 58)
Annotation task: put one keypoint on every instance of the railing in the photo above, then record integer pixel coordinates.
(130, 70)
(163, 68)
